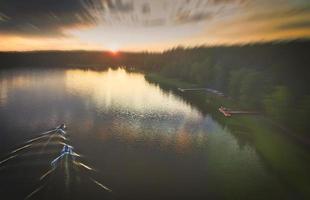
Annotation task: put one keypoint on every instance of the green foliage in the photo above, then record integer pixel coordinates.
(252, 88)
(302, 113)
(277, 104)
(234, 82)
(201, 72)
(264, 77)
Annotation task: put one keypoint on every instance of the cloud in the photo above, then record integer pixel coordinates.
(51, 18)
(119, 5)
(146, 8)
(154, 22)
(187, 17)
(196, 11)
(280, 13)
(46, 18)
(217, 2)
(3, 17)
(295, 25)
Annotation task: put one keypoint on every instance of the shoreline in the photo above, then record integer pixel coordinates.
(283, 156)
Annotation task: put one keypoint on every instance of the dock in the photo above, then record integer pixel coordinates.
(202, 89)
(191, 89)
(228, 112)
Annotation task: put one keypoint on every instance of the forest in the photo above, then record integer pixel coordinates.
(272, 78)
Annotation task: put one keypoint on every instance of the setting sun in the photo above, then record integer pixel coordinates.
(113, 48)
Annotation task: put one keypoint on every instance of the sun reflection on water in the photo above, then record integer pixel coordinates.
(138, 111)
(117, 88)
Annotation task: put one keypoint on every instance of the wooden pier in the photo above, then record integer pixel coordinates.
(202, 89)
(228, 112)
(191, 89)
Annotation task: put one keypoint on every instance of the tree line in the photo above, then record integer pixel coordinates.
(270, 77)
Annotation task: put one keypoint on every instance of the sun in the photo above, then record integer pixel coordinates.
(113, 48)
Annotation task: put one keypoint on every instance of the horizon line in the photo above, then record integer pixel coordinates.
(237, 44)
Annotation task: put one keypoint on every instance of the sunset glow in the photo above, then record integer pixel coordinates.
(143, 25)
(113, 49)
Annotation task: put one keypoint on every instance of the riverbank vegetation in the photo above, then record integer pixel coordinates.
(272, 78)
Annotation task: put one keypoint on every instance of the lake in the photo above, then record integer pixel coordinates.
(144, 141)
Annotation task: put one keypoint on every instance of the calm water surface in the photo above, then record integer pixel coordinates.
(145, 142)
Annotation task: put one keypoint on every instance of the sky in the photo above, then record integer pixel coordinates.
(147, 25)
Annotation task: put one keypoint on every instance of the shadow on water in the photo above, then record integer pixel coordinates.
(27, 173)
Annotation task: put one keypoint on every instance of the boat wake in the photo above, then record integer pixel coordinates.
(47, 167)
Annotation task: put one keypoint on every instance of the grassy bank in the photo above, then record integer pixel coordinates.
(284, 157)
